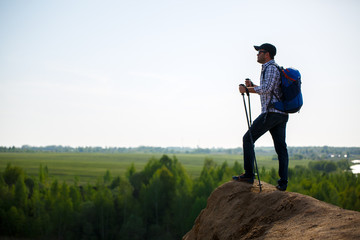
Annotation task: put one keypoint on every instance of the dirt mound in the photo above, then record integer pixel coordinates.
(238, 211)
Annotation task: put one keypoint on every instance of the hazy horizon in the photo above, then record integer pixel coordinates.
(185, 147)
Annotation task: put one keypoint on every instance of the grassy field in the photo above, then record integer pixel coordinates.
(88, 167)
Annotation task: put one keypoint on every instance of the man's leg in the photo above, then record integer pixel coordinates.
(278, 134)
(260, 126)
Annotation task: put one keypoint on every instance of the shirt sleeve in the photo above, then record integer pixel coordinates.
(268, 83)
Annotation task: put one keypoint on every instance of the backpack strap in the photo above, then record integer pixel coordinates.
(272, 91)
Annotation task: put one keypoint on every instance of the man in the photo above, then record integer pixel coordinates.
(270, 119)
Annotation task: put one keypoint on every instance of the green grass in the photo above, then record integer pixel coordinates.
(88, 167)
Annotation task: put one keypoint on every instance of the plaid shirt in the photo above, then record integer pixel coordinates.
(269, 82)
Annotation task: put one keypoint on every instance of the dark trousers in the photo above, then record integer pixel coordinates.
(276, 124)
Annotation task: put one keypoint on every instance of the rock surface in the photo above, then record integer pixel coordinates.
(237, 210)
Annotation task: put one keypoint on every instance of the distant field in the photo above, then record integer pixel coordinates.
(91, 166)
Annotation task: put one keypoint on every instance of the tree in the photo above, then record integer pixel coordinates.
(330, 167)
(158, 195)
(75, 196)
(12, 174)
(15, 221)
(131, 170)
(87, 220)
(124, 199)
(107, 177)
(104, 205)
(20, 194)
(238, 168)
(30, 184)
(62, 211)
(133, 229)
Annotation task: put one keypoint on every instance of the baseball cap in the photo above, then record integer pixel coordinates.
(267, 47)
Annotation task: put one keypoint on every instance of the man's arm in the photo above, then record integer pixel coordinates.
(243, 90)
(250, 86)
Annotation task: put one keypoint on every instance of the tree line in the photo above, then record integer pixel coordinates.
(295, 153)
(159, 202)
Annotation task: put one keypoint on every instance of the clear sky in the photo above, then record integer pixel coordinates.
(166, 73)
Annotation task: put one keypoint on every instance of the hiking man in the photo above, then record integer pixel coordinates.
(270, 119)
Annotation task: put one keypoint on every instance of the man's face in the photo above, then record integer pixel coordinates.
(261, 56)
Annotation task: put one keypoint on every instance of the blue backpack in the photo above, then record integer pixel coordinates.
(291, 100)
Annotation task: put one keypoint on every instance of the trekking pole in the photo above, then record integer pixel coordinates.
(246, 112)
(247, 93)
(249, 125)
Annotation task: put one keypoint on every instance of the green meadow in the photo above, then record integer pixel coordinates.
(88, 167)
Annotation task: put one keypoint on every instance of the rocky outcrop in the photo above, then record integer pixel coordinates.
(238, 210)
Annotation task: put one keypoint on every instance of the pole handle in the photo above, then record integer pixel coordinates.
(251, 83)
(246, 89)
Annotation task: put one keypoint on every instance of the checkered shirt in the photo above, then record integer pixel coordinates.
(270, 81)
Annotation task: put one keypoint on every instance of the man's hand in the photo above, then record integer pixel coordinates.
(242, 89)
(248, 83)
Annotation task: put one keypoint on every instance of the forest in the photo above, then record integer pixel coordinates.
(159, 202)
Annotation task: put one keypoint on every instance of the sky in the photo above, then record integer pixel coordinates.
(166, 72)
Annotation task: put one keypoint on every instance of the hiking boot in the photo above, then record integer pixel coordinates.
(281, 187)
(244, 178)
